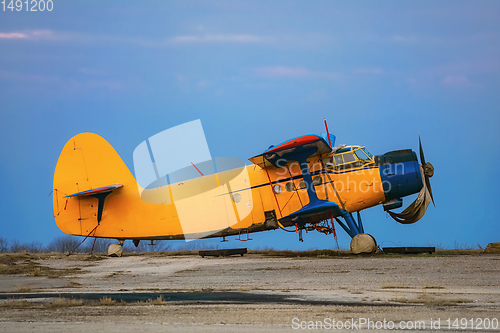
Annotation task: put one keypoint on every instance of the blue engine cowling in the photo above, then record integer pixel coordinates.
(400, 173)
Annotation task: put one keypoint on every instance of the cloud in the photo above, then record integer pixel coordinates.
(50, 35)
(181, 78)
(25, 82)
(371, 71)
(204, 83)
(280, 71)
(455, 81)
(34, 35)
(63, 36)
(294, 72)
(476, 66)
(29, 78)
(12, 35)
(475, 74)
(404, 39)
(227, 38)
(93, 71)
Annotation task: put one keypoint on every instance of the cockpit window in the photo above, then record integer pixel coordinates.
(349, 157)
(343, 150)
(359, 153)
(367, 153)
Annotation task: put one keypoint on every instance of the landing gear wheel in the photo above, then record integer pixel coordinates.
(376, 245)
(115, 250)
(363, 243)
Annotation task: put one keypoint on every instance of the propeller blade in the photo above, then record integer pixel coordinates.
(422, 158)
(428, 183)
(416, 210)
(422, 161)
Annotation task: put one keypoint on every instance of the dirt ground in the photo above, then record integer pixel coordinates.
(256, 292)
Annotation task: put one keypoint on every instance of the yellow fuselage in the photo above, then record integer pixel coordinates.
(206, 206)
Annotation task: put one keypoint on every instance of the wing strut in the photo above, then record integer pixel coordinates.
(91, 231)
(333, 228)
(272, 190)
(328, 134)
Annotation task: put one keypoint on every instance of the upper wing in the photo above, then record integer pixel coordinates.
(285, 151)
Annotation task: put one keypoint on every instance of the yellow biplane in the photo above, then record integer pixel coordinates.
(305, 183)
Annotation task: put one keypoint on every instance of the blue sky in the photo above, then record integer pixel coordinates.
(257, 73)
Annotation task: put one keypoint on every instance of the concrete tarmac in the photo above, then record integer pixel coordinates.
(253, 293)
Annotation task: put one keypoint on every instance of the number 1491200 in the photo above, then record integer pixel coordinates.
(27, 5)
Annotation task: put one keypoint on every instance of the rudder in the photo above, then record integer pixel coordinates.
(86, 162)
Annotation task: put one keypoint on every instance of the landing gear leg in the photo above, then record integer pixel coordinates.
(361, 242)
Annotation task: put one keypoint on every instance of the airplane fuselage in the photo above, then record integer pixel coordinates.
(246, 199)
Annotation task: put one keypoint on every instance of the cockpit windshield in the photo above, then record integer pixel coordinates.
(367, 153)
(348, 157)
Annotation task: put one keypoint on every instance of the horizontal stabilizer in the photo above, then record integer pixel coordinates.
(99, 190)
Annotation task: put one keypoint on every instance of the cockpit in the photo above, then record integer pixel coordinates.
(348, 157)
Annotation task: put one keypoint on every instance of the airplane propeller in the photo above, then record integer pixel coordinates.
(428, 169)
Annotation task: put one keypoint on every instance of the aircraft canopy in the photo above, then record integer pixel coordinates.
(348, 157)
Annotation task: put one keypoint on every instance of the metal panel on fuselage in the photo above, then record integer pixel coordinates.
(358, 188)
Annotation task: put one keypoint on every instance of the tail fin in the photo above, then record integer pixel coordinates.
(86, 162)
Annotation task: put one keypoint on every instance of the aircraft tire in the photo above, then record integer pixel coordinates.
(115, 250)
(376, 245)
(363, 244)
